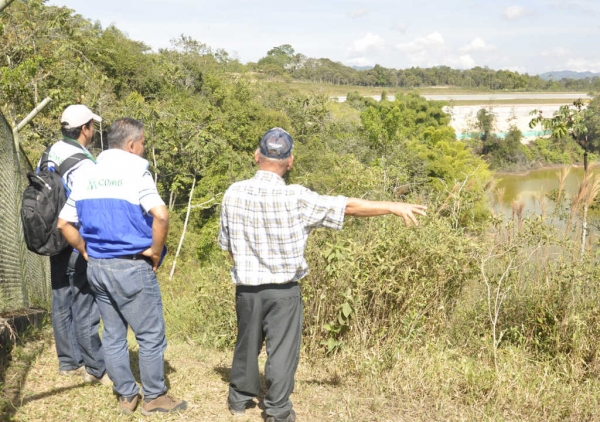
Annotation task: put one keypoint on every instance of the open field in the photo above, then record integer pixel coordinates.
(342, 90)
(517, 102)
(438, 93)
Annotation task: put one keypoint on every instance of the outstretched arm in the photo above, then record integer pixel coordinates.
(363, 208)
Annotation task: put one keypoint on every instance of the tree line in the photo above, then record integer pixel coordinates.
(283, 61)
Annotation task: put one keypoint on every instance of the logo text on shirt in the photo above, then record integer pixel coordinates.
(104, 183)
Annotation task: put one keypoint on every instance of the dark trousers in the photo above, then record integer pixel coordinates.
(75, 315)
(271, 312)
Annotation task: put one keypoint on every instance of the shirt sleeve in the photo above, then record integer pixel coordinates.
(322, 210)
(223, 229)
(69, 211)
(149, 197)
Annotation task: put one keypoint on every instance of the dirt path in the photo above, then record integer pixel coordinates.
(33, 390)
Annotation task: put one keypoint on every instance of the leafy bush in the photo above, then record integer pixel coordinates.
(378, 282)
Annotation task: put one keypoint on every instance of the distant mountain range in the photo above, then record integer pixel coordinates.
(362, 67)
(567, 74)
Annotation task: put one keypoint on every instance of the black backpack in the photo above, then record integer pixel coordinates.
(42, 201)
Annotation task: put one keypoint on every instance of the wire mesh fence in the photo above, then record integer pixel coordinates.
(24, 276)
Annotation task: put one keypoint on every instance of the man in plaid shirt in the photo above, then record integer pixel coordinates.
(264, 226)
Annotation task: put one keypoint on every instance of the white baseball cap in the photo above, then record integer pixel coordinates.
(77, 115)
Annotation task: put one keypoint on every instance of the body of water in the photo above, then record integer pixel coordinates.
(531, 189)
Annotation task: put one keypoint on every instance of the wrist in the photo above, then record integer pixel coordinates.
(156, 249)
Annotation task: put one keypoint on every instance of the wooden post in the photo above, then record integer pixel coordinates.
(27, 119)
(187, 217)
(4, 3)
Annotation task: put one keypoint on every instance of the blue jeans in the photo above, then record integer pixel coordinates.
(75, 316)
(127, 294)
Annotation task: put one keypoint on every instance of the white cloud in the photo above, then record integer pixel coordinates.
(421, 44)
(359, 61)
(424, 51)
(366, 43)
(477, 45)
(358, 13)
(557, 52)
(466, 61)
(515, 12)
(583, 65)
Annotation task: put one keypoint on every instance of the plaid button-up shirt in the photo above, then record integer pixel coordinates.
(265, 225)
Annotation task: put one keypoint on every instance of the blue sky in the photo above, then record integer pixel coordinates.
(528, 36)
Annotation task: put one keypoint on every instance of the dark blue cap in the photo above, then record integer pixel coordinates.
(276, 144)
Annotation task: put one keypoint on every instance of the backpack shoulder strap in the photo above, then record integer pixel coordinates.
(68, 163)
(44, 159)
(71, 161)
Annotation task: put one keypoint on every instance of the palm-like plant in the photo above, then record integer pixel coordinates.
(569, 120)
(574, 121)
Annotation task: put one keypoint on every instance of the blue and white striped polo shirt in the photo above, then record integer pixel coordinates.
(111, 200)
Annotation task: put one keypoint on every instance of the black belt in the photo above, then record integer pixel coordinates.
(136, 257)
(242, 288)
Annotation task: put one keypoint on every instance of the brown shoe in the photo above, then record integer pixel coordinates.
(127, 405)
(91, 379)
(162, 404)
(71, 372)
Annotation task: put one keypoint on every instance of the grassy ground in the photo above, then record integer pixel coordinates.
(33, 390)
(430, 383)
(423, 377)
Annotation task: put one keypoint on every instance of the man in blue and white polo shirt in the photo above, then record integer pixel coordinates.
(75, 317)
(124, 223)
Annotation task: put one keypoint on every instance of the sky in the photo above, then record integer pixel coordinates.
(527, 36)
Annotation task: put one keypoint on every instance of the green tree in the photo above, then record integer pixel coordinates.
(486, 123)
(575, 121)
(581, 124)
(281, 56)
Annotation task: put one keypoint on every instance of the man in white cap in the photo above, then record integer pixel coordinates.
(75, 316)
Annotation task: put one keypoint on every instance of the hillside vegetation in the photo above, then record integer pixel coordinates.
(466, 316)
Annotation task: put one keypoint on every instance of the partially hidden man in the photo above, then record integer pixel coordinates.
(123, 226)
(75, 317)
(264, 226)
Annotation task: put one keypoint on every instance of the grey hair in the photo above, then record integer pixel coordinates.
(278, 163)
(273, 160)
(124, 130)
